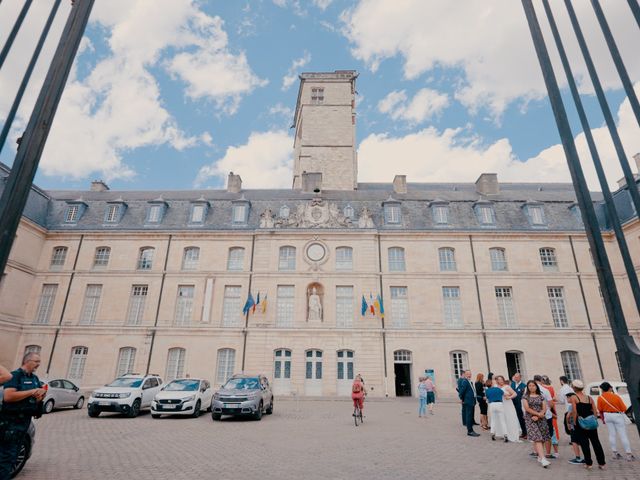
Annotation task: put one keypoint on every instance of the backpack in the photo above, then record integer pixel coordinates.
(357, 387)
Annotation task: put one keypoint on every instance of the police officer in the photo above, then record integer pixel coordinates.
(23, 397)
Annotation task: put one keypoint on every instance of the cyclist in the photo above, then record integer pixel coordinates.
(358, 393)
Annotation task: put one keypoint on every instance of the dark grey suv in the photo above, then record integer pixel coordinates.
(248, 395)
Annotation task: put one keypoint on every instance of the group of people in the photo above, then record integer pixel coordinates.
(426, 396)
(518, 411)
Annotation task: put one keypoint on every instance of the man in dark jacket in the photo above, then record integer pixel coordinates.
(467, 395)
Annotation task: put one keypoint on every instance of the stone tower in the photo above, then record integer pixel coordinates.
(325, 124)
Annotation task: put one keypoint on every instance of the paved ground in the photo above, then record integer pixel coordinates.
(301, 440)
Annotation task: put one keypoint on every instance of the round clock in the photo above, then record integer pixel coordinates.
(315, 252)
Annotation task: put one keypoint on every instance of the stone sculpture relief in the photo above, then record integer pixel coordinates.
(317, 213)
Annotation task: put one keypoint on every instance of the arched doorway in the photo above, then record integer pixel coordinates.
(282, 372)
(344, 372)
(313, 372)
(402, 369)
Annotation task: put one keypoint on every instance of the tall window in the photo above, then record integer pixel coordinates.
(45, 304)
(77, 363)
(184, 305)
(145, 258)
(282, 363)
(400, 307)
(58, 257)
(452, 307)
(536, 214)
(90, 305)
(313, 365)
(571, 365)
(447, 259)
(236, 259)
(392, 213)
(101, 257)
(175, 363)
(344, 306)
(440, 214)
(287, 259)
(112, 215)
(190, 258)
(558, 309)
(36, 349)
(317, 95)
(226, 364)
(498, 259)
(344, 258)
(231, 307)
(72, 214)
(459, 363)
(126, 361)
(548, 259)
(136, 304)
(155, 213)
(285, 305)
(345, 365)
(485, 214)
(506, 310)
(197, 213)
(396, 259)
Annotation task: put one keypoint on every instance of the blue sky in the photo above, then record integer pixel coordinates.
(172, 94)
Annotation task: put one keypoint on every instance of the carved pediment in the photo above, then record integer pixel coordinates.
(316, 213)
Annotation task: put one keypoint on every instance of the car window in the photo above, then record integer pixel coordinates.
(147, 383)
(126, 382)
(622, 390)
(68, 385)
(595, 391)
(55, 384)
(242, 384)
(182, 385)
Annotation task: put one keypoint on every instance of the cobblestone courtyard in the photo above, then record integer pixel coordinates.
(302, 439)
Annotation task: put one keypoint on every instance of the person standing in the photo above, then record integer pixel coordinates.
(468, 400)
(584, 414)
(431, 393)
(519, 387)
(563, 399)
(555, 432)
(22, 401)
(482, 401)
(613, 411)
(534, 406)
(548, 415)
(510, 415)
(422, 398)
(495, 396)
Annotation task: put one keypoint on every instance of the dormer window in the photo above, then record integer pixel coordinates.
(284, 212)
(114, 212)
(240, 212)
(74, 211)
(440, 213)
(392, 213)
(535, 214)
(485, 214)
(156, 211)
(198, 212)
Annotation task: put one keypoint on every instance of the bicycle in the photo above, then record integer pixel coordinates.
(357, 415)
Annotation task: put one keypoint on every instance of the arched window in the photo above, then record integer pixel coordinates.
(548, 259)
(344, 258)
(126, 360)
(175, 363)
(145, 258)
(226, 364)
(402, 356)
(459, 363)
(446, 256)
(235, 260)
(101, 257)
(77, 362)
(287, 259)
(190, 258)
(282, 363)
(345, 365)
(32, 349)
(58, 256)
(396, 259)
(313, 365)
(571, 364)
(498, 259)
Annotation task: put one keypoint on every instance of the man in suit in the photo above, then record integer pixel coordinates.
(519, 387)
(467, 395)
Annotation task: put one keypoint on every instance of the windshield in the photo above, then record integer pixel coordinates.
(126, 382)
(182, 386)
(242, 384)
(622, 390)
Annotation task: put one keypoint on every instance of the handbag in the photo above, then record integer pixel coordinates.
(588, 423)
(627, 420)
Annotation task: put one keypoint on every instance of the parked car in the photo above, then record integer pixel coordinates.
(25, 449)
(594, 391)
(182, 396)
(62, 393)
(243, 395)
(128, 394)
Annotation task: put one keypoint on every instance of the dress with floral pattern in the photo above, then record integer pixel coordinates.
(537, 430)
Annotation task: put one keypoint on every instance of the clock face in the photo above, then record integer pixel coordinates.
(316, 252)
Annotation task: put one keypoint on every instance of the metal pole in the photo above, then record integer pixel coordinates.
(27, 75)
(617, 59)
(18, 183)
(635, 9)
(602, 178)
(627, 350)
(611, 124)
(14, 32)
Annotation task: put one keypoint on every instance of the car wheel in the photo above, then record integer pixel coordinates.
(258, 414)
(155, 415)
(79, 403)
(48, 407)
(216, 416)
(135, 409)
(196, 410)
(23, 456)
(93, 413)
(269, 409)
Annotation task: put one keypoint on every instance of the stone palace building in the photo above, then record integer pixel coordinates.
(388, 280)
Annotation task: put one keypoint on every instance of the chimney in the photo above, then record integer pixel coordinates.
(400, 184)
(311, 182)
(487, 184)
(99, 186)
(234, 183)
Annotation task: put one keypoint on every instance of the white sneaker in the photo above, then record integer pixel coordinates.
(544, 462)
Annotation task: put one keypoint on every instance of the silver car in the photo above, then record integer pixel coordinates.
(246, 395)
(62, 393)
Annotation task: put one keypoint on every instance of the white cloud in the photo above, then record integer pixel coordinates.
(456, 155)
(425, 104)
(292, 74)
(322, 4)
(265, 161)
(280, 109)
(488, 41)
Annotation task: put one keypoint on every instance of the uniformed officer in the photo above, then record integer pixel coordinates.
(22, 400)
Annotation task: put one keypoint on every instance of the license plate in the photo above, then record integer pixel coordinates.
(231, 405)
(168, 407)
(104, 403)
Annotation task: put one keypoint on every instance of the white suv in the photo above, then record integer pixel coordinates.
(127, 394)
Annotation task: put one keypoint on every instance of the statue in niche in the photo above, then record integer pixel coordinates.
(315, 306)
(365, 220)
(266, 219)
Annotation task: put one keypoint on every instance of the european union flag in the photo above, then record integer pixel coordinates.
(250, 303)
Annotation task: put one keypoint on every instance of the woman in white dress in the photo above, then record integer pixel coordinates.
(510, 415)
